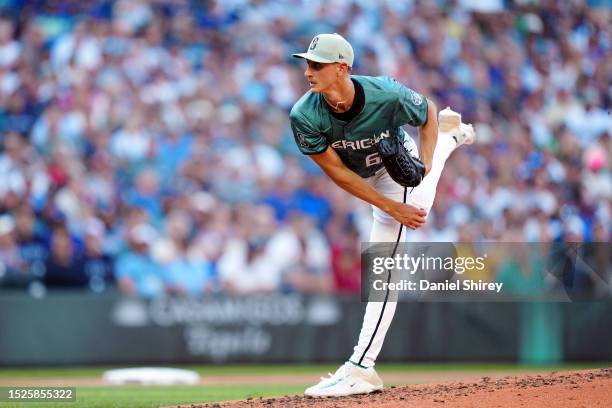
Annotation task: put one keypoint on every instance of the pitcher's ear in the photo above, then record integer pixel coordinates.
(342, 65)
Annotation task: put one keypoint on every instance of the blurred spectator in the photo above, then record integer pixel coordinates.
(212, 229)
(246, 267)
(346, 261)
(185, 268)
(249, 263)
(12, 267)
(132, 144)
(64, 266)
(97, 264)
(305, 257)
(33, 245)
(135, 270)
(147, 194)
(131, 112)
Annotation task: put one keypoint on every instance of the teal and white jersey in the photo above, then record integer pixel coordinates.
(388, 106)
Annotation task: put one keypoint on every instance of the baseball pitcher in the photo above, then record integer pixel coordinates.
(351, 126)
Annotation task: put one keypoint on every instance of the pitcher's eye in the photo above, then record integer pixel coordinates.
(316, 66)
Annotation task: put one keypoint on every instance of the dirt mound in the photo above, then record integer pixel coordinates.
(592, 388)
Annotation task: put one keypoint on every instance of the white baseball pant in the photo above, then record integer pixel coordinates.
(378, 315)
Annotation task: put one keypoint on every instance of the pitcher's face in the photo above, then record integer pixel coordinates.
(321, 76)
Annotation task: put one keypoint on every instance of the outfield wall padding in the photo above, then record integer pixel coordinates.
(68, 328)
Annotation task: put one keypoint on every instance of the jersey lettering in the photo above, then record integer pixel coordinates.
(360, 144)
(372, 159)
(383, 135)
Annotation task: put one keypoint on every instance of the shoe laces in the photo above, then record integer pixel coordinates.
(341, 373)
(466, 129)
(461, 133)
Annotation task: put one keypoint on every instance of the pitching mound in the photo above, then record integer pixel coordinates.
(588, 389)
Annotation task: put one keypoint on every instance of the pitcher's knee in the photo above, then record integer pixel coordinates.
(383, 218)
(420, 205)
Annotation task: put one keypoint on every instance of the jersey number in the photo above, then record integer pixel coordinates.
(372, 159)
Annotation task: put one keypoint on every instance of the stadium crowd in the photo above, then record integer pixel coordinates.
(146, 144)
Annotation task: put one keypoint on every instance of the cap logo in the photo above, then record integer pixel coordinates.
(313, 44)
(340, 56)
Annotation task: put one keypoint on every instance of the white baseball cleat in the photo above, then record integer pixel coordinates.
(449, 122)
(349, 379)
(465, 134)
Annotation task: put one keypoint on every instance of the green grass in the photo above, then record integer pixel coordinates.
(140, 397)
(271, 369)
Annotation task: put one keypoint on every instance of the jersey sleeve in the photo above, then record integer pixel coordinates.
(411, 107)
(307, 138)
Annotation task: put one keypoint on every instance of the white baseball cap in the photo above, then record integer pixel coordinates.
(328, 48)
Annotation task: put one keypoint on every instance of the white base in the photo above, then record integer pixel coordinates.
(151, 376)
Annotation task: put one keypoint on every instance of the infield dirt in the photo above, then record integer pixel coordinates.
(575, 389)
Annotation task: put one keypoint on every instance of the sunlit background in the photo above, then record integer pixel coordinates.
(150, 185)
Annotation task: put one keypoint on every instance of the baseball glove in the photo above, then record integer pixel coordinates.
(404, 169)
